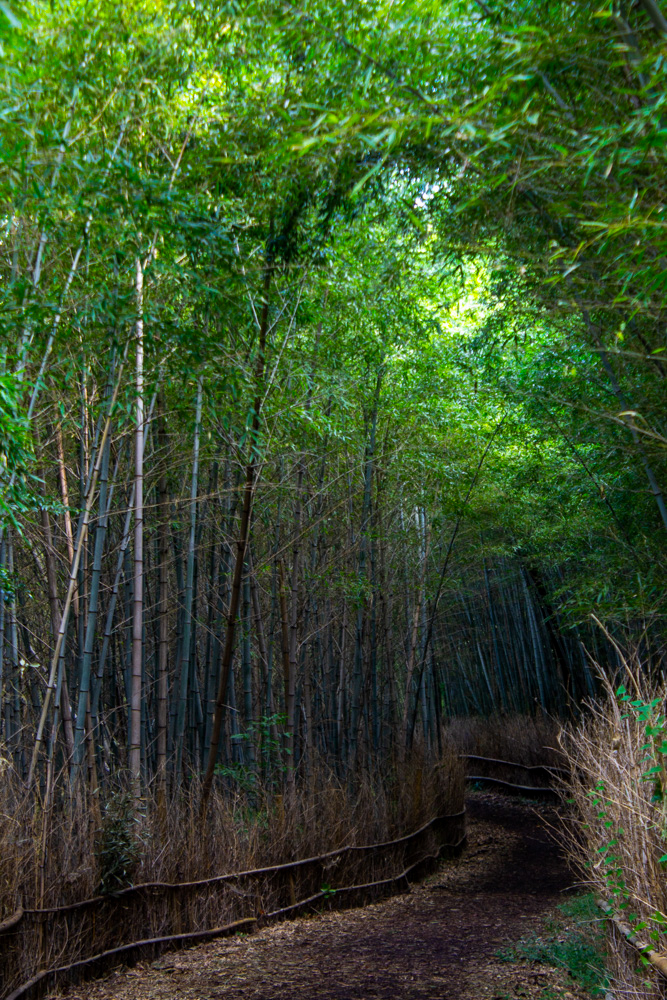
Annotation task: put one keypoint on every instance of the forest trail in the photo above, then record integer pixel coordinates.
(438, 942)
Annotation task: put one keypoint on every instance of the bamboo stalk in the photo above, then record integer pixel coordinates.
(73, 576)
(244, 531)
(134, 759)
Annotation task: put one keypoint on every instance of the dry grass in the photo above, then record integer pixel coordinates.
(521, 739)
(619, 826)
(243, 831)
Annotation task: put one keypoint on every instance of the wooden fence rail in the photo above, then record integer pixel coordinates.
(534, 779)
(40, 948)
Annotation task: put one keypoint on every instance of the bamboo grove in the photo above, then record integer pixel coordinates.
(323, 407)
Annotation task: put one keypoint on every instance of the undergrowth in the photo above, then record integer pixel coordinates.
(99, 844)
(521, 739)
(243, 829)
(618, 754)
(573, 941)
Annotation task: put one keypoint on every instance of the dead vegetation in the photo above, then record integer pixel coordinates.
(619, 828)
(245, 830)
(440, 941)
(520, 739)
(84, 850)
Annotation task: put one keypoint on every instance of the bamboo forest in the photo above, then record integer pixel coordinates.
(333, 511)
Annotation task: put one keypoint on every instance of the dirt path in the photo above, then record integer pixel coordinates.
(438, 942)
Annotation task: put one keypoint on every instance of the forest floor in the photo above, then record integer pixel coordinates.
(441, 941)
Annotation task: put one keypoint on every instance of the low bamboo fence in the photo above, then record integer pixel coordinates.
(42, 949)
(523, 779)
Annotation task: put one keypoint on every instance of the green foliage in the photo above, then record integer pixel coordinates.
(608, 860)
(653, 770)
(270, 749)
(242, 776)
(16, 454)
(118, 848)
(574, 941)
(457, 211)
(654, 765)
(382, 156)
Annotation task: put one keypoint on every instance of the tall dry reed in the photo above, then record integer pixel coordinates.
(244, 830)
(619, 822)
(521, 739)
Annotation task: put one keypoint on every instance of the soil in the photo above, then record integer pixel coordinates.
(440, 941)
